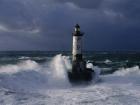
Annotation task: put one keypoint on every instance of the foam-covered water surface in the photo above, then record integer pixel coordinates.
(42, 80)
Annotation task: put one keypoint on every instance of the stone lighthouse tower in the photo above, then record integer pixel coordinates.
(77, 44)
(79, 70)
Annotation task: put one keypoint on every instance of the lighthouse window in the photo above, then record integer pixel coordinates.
(77, 29)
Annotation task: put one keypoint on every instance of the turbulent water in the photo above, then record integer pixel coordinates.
(40, 78)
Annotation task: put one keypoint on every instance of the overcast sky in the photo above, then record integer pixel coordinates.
(48, 24)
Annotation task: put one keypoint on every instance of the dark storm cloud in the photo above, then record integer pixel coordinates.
(129, 8)
(14, 17)
(84, 4)
(48, 24)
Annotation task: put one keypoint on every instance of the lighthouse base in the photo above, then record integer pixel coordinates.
(80, 73)
(81, 76)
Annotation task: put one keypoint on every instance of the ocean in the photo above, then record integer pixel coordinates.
(40, 78)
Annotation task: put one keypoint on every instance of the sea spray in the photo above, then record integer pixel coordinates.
(128, 71)
(96, 69)
(26, 65)
(129, 76)
(58, 68)
(67, 63)
(107, 61)
(23, 76)
(121, 88)
(28, 75)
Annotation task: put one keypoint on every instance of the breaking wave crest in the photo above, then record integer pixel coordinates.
(58, 71)
(128, 71)
(131, 76)
(96, 69)
(29, 75)
(21, 66)
(107, 61)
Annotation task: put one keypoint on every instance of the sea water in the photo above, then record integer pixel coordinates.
(40, 78)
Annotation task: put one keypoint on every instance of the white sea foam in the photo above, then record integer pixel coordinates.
(23, 58)
(128, 71)
(107, 61)
(58, 67)
(29, 75)
(51, 74)
(21, 66)
(96, 69)
(124, 76)
(119, 88)
(67, 62)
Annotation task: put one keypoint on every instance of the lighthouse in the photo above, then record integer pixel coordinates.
(77, 44)
(79, 71)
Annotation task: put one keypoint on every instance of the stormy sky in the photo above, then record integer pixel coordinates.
(48, 24)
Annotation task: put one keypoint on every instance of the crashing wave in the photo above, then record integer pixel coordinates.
(107, 61)
(128, 71)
